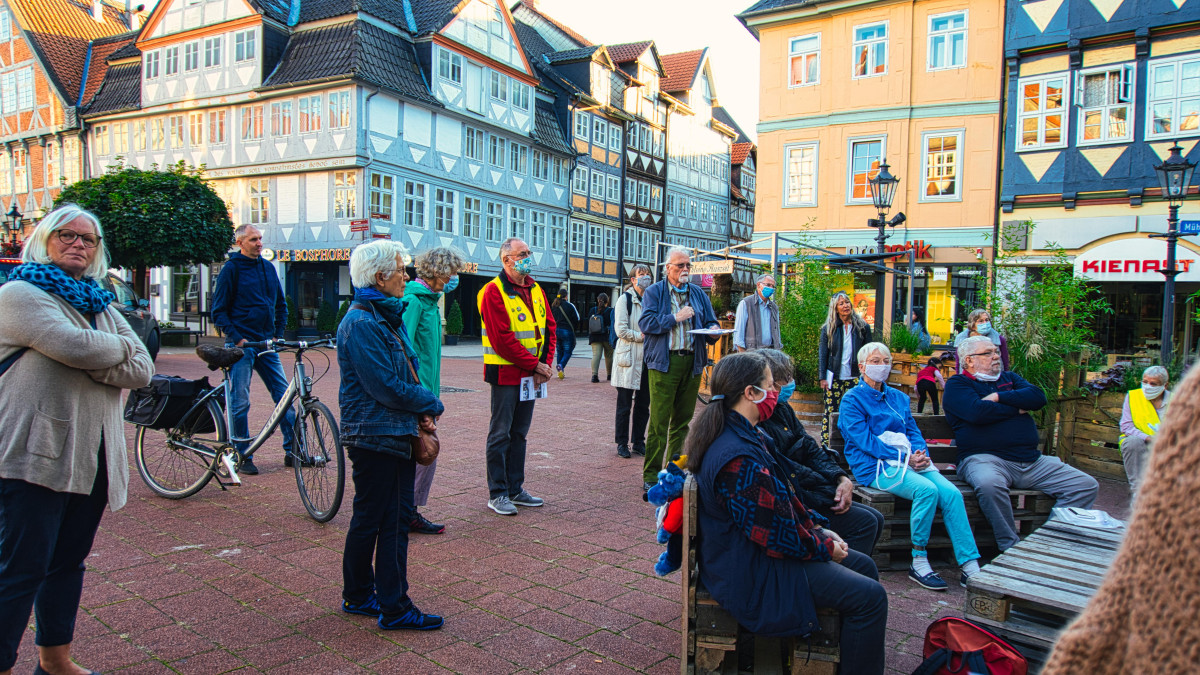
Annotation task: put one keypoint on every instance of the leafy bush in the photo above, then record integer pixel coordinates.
(341, 313)
(454, 319)
(327, 318)
(293, 317)
(803, 305)
(902, 339)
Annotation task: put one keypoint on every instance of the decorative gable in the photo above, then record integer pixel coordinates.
(486, 27)
(178, 16)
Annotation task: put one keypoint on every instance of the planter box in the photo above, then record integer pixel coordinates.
(450, 340)
(175, 339)
(1091, 432)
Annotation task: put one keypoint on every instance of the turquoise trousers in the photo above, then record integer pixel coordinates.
(928, 490)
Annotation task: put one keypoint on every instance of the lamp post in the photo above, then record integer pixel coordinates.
(14, 222)
(883, 191)
(1174, 177)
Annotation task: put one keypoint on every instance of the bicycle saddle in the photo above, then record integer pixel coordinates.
(219, 357)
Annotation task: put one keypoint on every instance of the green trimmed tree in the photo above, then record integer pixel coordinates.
(155, 218)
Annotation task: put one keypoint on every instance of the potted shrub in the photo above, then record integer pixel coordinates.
(341, 313)
(454, 323)
(327, 320)
(291, 328)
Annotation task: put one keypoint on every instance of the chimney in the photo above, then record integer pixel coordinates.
(98, 11)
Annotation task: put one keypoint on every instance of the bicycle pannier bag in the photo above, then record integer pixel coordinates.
(957, 646)
(595, 324)
(163, 403)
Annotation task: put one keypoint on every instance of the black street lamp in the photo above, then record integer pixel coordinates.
(883, 191)
(1175, 177)
(14, 221)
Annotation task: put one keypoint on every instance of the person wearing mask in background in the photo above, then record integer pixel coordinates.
(629, 375)
(518, 342)
(929, 380)
(437, 273)
(601, 336)
(842, 335)
(757, 318)
(1140, 418)
(248, 305)
(979, 322)
(566, 317)
(675, 358)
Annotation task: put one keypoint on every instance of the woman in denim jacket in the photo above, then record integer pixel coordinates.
(381, 409)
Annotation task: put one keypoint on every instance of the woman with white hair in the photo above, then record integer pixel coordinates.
(887, 452)
(65, 356)
(382, 407)
(1140, 417)
(437, 273)
(842, 335)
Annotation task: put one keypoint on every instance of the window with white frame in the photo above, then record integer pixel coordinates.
(103, 145)
(580, 184)
(380, 196)
(942, 165)
(496, 148)
(53, 174)
(495, 221)
(558, 232)
(472, 217)
(176, 127)
(252, 122)
(537, 229)
(139, 135)
(1041, 117)
(646, 142)
(693, 208)
(71, 165)
(5, 26)
(499, 86)
(520, 95)
(212, 52)
(643, 199)
(865, 157)
(598, 185)
(450, 66)
(562, 168)
(541, 165)
(631, 140)
(120, 138)
(804, 60)
(1105, 99)
(150, 63)
(310, 114)
(339, 110)
(1174, 97)
(870, 49)
(599, 132)
(443, 210)
(611, 236)
(473, 143)
(614, 189)
(158, 134)
(656, 194)
(614, 137)
(8, 92)
(191, 56)
(582, 125)
(171, 60)
(243, 46)
(595, 240)
(670, 203)
(703, 210)
(948, 40)
(518, 158)
(414, 204)
(20, 173)
(518, 222)
(260, 201)
(281, 118)
(345, 194)
(630, 191)
(578, 237)
(630, 246)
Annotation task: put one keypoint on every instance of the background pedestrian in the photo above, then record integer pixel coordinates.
(566, 320)
(601, 336)
(842, 335)
(629, 373)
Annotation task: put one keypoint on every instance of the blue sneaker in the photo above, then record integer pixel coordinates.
(369, 607)
(931, 581)
(413, 619)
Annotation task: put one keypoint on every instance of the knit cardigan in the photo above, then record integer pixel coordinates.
(1145, 618)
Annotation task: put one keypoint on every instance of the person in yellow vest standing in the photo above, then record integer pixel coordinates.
(1139, 423)
(518, 356)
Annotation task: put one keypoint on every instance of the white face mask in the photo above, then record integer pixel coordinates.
(877, 372)
(1152, 392)
(987, 377)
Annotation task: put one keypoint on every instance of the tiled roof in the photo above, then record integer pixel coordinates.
(59, 31)
(580, 54)
(767, 6)
(680, 70)
(277, 10)
(737, 194)
(353, 49)
(432, 15)
(579, 39)
(722, 115)
(121, 90)
(128, 51)
(532, 42)
(628, 51)
(739, 152)
(102, 50)
(395, 12)
(546, 130)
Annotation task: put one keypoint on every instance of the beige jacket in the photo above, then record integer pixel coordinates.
(627, 373)
(61, 394)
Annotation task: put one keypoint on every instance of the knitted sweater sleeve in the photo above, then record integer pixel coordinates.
(764, 511)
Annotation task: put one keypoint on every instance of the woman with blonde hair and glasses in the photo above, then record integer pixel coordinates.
(65, 356)
(842, 335)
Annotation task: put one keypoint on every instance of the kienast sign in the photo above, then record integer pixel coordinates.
(1135, 260)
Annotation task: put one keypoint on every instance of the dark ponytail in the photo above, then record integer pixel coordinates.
(730, 377)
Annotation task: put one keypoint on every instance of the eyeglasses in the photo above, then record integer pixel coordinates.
(990, 352)
(69, 237)
(682, 266)
(519, 256)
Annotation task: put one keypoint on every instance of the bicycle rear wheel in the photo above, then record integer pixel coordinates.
(320, 462)
(177, 463)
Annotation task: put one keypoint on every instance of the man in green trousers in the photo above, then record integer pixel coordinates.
(674, 357)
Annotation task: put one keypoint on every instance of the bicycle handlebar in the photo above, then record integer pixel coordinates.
(282, 345)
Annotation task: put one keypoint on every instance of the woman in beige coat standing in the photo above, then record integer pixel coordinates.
(65, 354)
(629, 372)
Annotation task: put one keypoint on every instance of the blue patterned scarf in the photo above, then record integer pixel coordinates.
(83, 294)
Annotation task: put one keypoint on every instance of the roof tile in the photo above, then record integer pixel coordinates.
(680, 70)
(546, 130)
(628, 51)
(532, 7)
(581, 54)
(739, 152)
(59, 31)
(121, 90)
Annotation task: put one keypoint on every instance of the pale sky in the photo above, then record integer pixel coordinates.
(678, 26)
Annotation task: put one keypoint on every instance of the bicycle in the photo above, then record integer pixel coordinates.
(178, 462)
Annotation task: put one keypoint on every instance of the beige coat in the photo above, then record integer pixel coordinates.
(627, 357)
(64, 391)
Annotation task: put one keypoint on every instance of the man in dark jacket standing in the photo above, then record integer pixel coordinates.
(674, 357)
(988, 407)
(248, 306)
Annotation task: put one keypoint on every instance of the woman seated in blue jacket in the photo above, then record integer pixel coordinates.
(763, 556)
(886, 451)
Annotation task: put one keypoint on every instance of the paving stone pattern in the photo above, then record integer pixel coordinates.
(242, 580)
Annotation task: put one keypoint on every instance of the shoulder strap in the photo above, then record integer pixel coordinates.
(12, 358)
(407, 359)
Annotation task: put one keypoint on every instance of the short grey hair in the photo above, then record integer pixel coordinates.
(865, 351)
(507, 246)
(243, 230)
(37, 251)
(677, 250)
(375, 257)
(764, 277)
(443, 261)
(782, 368)
(968, 345)
(1159, 372)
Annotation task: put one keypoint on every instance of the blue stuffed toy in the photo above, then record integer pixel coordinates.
(665, 494)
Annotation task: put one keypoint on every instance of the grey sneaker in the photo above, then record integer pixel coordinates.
(503, 506)
(526, 499)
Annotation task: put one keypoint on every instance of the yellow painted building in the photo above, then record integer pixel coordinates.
(846, 84)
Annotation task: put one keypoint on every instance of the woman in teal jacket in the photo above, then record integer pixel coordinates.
(437, 273)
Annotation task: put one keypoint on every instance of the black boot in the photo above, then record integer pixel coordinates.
(623, 451)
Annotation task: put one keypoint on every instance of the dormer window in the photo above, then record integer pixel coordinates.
(450, 66)
(150, 65)
(243, 46)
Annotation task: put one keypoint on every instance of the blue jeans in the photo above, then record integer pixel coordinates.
(268, 367)
(929, 489)
(383, 508)
(566, 346)
(44, 538)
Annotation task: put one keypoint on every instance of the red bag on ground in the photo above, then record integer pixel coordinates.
(958, 647)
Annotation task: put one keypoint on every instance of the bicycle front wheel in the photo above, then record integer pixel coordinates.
(178, 462)
(320, 462)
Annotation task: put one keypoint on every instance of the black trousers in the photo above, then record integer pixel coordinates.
(860, 526)
(853, 589)
(376, 552)
(636, 401)
(44, 538)
(505, 451)
(927, 388)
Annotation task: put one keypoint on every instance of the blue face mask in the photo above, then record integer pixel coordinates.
(451, 284)
(786, 391)
(767, 292)
(524, 265)
(983, 326)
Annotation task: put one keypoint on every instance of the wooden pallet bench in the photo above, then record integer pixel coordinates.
(1032, 590)
(713, 642)
(1031, 508)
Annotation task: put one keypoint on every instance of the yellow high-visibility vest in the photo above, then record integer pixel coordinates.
(530, 329)
(1143, 412)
